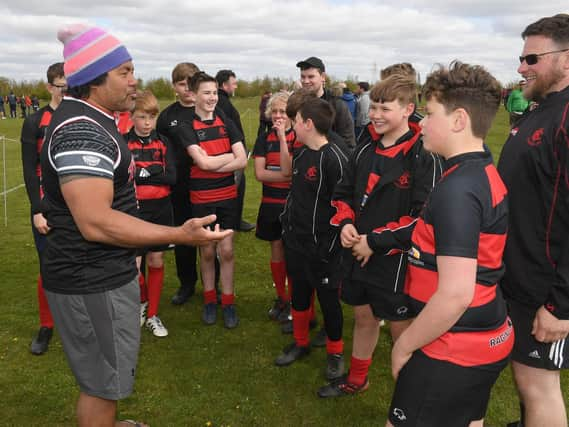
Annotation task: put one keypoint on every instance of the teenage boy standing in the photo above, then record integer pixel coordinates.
(387, 182)
(33, 135)
(227, 85)
(168, 121)
(446, 362)
(216, 148)
(311, 248)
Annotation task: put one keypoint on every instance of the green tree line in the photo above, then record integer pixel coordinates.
(162, 88)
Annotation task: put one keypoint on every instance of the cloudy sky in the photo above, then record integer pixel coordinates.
(267, 37)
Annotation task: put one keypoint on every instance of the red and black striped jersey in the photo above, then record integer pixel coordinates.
(215, 137)
(535, 167)
(155, 165)
(268, 147)
(466, 215)
(32, 137)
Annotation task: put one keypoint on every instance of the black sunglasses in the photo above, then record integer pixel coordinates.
(533, 58)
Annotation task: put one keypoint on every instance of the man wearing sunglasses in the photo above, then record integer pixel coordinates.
(534, 165)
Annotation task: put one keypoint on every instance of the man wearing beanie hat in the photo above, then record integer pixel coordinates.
(89, 269)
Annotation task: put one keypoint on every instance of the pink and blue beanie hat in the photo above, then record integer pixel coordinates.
(89, 52)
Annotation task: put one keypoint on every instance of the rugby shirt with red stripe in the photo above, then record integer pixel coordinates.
(33, 134)
(466, 215)
(154, 154)
(215, 137)
(268, 147)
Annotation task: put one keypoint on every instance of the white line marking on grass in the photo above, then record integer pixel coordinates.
(17, 187)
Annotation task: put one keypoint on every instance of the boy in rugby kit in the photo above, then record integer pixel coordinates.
(311, 249)
(167, 123)
(276, 186)
(33, 134)
(215, 146)
(154, 176)
(387, 181)
(446, 362)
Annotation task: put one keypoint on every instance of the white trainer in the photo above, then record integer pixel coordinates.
(155, 325)
(143, 308)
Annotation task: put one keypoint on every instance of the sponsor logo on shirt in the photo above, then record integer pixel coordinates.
(500, 339)
(399, 414)
(91, 160)
(311, 174)
(404, 181)
(536, 137)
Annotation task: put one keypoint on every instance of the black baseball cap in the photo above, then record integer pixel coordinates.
(311, 62)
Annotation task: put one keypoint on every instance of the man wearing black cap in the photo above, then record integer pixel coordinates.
(313, 77)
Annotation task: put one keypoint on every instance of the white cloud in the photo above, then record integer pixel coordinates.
(266, 37)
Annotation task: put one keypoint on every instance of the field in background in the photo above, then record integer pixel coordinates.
(198, 375)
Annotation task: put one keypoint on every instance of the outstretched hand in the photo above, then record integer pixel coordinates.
(198, 232)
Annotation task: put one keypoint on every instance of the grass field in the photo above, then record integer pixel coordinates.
(198, 375)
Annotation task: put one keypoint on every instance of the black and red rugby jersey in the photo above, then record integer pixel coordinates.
(466, 215)
(215, 137)
(32, 138)
(383, 192)
(268, 147)
(534, 165)
(307, 212)
(155, 165)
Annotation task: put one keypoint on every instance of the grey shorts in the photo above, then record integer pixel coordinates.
(100, 334)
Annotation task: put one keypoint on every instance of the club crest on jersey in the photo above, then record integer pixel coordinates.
(174, 123)
(222, 131)
(536, 138)
(404, 181)
(311, 174)
(514, 131)
(201, 134)
(157, 155)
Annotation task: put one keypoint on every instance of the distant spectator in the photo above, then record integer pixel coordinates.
(265, 125)
(23, 106)
(517, 104)
(2, 111)
(28, 101)
(13, 102)
(35, 103)
(350, 99)
(362, 111)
